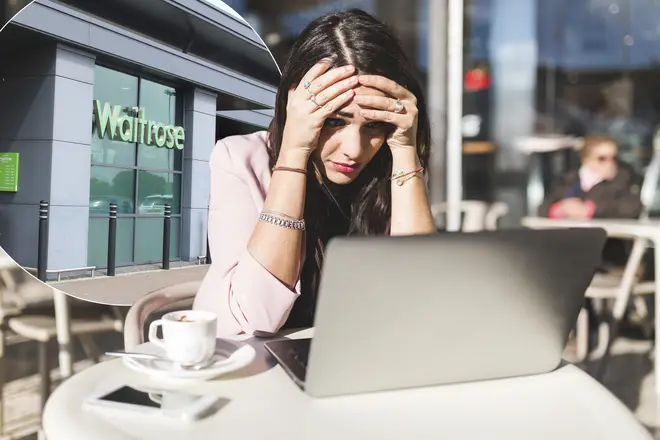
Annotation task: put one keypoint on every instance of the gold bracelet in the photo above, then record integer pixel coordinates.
(402, 177)
(294, 170)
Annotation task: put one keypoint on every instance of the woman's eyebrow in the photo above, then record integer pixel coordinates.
(344, 114)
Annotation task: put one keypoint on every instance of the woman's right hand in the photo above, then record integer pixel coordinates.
(331, 89)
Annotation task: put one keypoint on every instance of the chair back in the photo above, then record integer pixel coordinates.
(474, 214)
(151, 302)
(496, 211)
(477, 215)
(649, 187)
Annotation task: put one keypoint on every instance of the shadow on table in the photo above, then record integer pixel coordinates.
(263, 360)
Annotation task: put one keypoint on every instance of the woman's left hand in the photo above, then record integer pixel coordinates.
(384, 108)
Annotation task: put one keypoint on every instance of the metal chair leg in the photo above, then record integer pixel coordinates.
(44, 373)
(90, 348)
(582, 336)
(601, 365)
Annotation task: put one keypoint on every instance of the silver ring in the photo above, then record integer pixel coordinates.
(398, 107)
(306, 84)
(313, 99)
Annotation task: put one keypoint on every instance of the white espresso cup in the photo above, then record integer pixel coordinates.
(188, 336)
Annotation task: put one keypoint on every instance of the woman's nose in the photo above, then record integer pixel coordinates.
(352, 144)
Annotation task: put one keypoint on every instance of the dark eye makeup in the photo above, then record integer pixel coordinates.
(374, 125)
(334, 122)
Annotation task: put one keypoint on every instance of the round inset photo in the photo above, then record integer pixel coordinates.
(110, 113)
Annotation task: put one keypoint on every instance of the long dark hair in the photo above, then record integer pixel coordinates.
(347, 37)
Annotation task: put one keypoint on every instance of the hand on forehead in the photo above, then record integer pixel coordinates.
(353, 107)
(364, 90)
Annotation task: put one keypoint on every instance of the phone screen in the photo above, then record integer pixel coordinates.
(170, 400)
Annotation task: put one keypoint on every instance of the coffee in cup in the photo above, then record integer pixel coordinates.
(188, 336)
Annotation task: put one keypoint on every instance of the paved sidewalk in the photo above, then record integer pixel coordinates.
(125, 289)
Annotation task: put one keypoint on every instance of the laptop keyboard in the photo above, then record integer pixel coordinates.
(292, 354)
(300, 353)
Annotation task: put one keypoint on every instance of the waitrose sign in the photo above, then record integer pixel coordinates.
(113, 123)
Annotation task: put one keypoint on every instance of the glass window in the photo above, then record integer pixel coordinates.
(149, 239)
(111, 185)
(140, 177)
(117, 95)
(558, 69)
(157, 189)
(159, 104)
(97, 250)
(279, 23)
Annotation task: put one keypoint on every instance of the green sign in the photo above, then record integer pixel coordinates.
(114, 123)
(8, 172)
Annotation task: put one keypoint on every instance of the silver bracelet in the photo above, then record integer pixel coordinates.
(283, 222)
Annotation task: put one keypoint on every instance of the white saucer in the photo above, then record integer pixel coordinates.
(229, 356)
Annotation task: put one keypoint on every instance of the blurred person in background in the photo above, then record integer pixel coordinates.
(600, 188)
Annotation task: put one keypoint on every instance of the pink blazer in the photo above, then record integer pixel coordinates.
(243, 294)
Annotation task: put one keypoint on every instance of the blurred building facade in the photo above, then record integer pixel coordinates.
(532, 67)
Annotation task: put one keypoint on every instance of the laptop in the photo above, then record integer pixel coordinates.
(403, 312)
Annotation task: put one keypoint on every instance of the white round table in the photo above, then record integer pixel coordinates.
(263, 403)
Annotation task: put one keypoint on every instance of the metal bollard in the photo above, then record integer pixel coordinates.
(166, 236)
(42, 252)
(112, 240)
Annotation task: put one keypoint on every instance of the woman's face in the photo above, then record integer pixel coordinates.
(602, 160)
(348, 141)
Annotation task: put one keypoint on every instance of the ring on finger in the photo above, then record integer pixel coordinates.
(313, 99)
(307, 85)
(398, 106)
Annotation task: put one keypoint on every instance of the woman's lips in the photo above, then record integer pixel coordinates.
(345, 167)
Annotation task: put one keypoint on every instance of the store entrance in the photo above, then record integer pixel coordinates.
(230, 127)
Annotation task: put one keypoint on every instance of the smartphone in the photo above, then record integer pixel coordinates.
(170, 404)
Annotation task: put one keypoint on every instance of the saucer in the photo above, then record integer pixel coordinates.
(229, 356)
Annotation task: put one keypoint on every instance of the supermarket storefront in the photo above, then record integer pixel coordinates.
(117, 114)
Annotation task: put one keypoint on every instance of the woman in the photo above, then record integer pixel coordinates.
(600, 188)
(345, 154)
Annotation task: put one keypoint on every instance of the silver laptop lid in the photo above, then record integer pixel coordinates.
(398, 312)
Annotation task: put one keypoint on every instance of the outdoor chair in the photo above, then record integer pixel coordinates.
(27, 312)
(42, 328)
(619, 288)
(477, 215)
(495, 212)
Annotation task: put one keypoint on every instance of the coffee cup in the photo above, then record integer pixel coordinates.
(188, 336)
